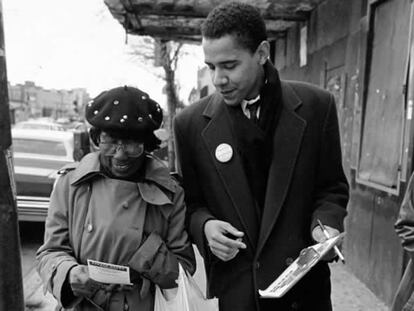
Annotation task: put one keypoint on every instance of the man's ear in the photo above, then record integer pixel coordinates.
(263, 51)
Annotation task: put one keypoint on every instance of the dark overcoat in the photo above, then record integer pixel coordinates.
(306, 182)
(404, 226)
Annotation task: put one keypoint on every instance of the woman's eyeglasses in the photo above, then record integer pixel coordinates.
(133, 149)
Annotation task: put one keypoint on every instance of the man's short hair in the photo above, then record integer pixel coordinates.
(241, 20)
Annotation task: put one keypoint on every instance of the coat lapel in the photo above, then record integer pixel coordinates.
(231, 173)
(286, 145)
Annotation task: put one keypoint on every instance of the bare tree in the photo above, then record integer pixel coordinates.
(154, 53)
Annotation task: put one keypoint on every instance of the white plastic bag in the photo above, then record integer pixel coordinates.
(189, 297)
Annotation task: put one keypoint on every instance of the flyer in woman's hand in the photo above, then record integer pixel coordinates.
(108, 273)
(308, 257)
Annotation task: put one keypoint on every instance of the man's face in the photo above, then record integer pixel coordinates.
(122, 157)
(236, 72)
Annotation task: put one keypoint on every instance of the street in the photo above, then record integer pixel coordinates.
(31, 237)
(348, 293)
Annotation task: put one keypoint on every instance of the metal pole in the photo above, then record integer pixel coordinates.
(11, 287)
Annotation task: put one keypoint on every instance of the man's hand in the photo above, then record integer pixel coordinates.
(319, 237)
(224, 240)
(81, 284)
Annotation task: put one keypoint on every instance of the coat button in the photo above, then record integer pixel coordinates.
(126, 307)
(90, 228)
(289, 261)
(125, 205)
(295, 305)
(257, 265)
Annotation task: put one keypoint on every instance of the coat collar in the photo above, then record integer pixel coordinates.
(218, 132)
(287, 141)
(87, 169)
(157, 178)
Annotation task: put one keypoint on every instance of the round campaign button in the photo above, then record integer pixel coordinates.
(224, 152)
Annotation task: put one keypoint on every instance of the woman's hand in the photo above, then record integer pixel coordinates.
(81, 284)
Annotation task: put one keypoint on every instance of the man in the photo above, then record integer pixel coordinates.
(258, 180)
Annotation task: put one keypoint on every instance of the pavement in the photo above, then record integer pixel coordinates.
(34, 297)
(348, 293)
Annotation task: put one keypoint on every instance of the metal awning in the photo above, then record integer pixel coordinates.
(181, 19)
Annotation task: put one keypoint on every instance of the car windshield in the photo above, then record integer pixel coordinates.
(45, 147)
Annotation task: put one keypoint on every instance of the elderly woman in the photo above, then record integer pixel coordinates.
(120, 206)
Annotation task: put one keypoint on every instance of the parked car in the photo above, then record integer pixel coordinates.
(38, 155)
(39, 125)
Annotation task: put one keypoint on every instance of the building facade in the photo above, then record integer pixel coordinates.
(31, 101)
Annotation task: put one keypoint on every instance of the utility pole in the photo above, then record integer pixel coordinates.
(11, 287)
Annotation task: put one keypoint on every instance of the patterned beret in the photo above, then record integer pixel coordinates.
(125, 109)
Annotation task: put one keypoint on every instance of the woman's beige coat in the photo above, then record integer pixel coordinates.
(140, 225)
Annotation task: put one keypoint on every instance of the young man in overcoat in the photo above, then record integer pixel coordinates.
(258, 179)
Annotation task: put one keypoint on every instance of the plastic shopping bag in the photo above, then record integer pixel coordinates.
(189, 297)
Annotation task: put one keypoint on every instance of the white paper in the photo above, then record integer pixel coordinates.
(108, 273)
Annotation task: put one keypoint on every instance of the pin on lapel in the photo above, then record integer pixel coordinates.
(224, 153)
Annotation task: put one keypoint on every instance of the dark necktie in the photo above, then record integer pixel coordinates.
(253, 111)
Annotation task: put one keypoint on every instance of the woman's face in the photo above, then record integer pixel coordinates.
(122, 157)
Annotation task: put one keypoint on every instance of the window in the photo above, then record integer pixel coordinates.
(280, 59)
(382, 140)
(303, 51)
(41, 147)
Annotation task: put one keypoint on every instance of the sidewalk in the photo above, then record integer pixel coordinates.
(350, 294)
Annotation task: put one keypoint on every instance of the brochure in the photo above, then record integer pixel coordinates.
(108, 273)
(308, 257)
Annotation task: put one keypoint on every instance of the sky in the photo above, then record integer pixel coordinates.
(64, 44)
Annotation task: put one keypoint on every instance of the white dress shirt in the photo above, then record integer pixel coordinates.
(246, 102)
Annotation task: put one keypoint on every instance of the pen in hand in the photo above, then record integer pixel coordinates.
(325, 232)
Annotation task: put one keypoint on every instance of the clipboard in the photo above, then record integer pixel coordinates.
(308, 258)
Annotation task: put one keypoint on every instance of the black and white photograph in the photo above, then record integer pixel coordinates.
(206, 155)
